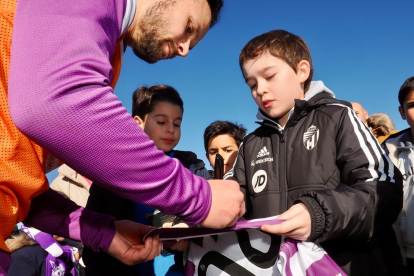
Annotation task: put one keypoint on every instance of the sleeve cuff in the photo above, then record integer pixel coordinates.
(98, 230)
(317, 217)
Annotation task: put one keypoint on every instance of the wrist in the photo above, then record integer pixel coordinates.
(97, 230)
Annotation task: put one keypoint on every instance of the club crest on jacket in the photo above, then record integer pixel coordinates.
(310, 137)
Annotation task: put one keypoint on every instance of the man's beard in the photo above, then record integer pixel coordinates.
(150, 31)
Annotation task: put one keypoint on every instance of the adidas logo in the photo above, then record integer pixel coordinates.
(262, 152)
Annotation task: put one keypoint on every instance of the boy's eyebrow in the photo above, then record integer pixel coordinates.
(165, 116)
(261, 71)
(220, 147)
(264, 69)
(226, 147)
(160, 115)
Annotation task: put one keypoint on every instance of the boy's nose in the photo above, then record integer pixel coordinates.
(261, 89)
(170, 129)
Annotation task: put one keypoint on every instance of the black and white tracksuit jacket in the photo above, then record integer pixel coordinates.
(326, 158)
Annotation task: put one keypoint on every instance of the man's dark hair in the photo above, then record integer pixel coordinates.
(145, 98)
(215, 7)
(406, 88)
(281, 44)
(224, 127)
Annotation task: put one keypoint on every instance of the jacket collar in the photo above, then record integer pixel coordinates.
(317, 95)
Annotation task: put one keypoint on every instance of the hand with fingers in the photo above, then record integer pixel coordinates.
(128, 246)
(227, 204)
(297, 225)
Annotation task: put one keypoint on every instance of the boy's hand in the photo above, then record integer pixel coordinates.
(297, 225)
(181, 245)
(127, 245)
(227, 204)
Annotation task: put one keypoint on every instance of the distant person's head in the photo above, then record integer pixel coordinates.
(158, 110)
(163, 29)
(381, 123)
(360, 111)
(224, 138)
(277, 66)
(406, 99)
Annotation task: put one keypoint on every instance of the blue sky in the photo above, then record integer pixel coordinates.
(361, 50)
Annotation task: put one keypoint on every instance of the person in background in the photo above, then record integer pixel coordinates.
(360, 111)
(387, 238)
(29, 258)
(381, 126)
(72, 184)
(223, 138)
(312, 160)
(399, 147)
(76, 188)
(158, 110)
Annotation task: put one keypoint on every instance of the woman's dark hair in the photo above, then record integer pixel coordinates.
(145, 98)
(224, 127)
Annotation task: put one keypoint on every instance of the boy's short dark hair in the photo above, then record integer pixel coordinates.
(406, 88)
(145, 98)
(224, 127)
(281, 44)
(215, 7)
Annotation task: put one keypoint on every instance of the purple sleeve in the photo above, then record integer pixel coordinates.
(52, 213)
(59, 96)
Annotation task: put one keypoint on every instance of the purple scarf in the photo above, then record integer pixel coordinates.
(61, 258)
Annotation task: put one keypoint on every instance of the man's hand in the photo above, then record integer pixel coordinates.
(227, 204)
(297, 225)
(127, 245)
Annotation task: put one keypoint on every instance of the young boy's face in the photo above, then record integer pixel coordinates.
(226, 146)
(163, 125)
(407, 111)
(275, 85)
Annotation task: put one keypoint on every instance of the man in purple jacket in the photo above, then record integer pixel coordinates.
(65, 60)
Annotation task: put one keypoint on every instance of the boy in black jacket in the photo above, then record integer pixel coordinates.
(312, 160)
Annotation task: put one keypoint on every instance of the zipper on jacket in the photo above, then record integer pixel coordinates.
(282, 172)
(281, 137)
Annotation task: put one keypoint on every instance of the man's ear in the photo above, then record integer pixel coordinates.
(402, 113)
(303, 70)
(139, 121)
